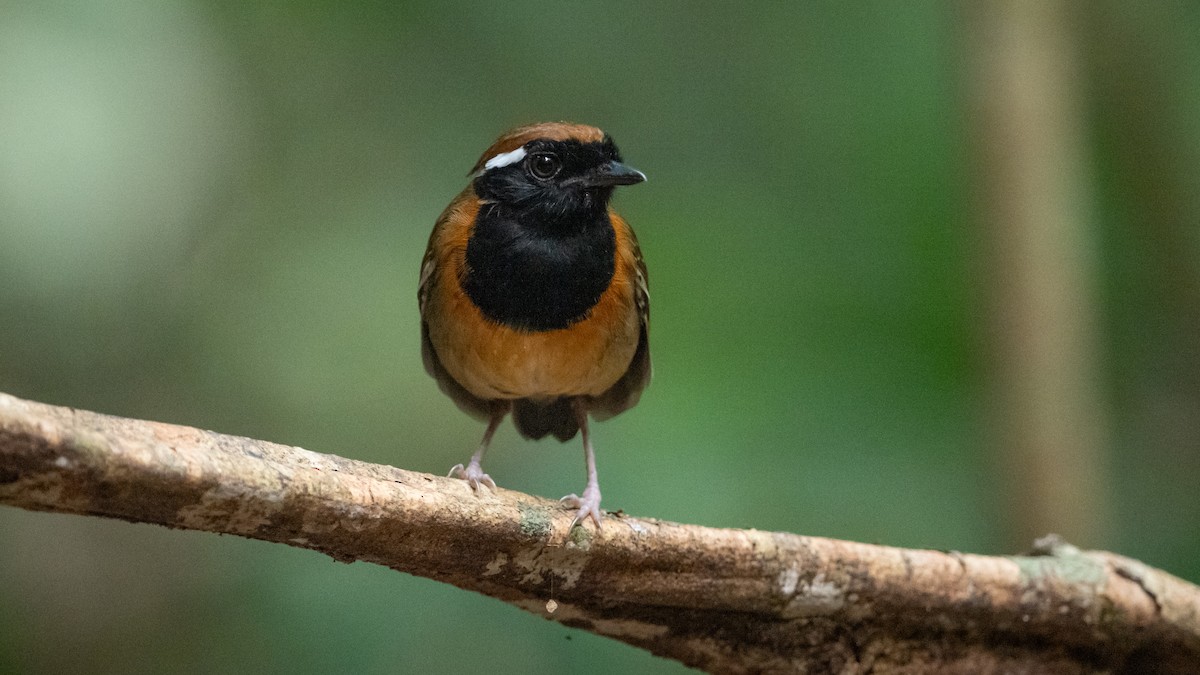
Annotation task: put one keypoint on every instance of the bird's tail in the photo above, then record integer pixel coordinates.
(535, 419)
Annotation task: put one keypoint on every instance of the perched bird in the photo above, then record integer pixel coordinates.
(533, 294)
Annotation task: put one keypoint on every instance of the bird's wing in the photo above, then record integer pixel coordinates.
(467, 402)
(625, 393)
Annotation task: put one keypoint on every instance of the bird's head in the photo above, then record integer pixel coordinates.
(552, 169)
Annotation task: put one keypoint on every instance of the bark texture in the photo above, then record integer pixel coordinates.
(729, 601)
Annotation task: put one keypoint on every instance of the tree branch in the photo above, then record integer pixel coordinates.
(723, 600)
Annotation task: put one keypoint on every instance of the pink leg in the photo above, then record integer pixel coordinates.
(589, 503)
(473, 471)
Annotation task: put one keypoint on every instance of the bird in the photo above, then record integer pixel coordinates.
(534, 297)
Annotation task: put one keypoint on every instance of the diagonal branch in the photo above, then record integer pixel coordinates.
(723, 600)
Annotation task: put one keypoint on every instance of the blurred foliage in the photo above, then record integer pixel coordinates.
(212, 213)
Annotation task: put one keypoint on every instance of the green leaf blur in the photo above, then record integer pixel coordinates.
(212, 213)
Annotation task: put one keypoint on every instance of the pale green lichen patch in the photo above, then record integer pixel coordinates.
(1072, 567)
(788, 579)
(496, 565)
(540, 563)
(818, 597)
(580, 537)
(225, 508)
(535, 520)
(91, 444)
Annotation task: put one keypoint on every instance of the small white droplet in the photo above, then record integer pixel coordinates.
(551, 606)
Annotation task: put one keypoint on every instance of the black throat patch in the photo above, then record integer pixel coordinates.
(532, 272)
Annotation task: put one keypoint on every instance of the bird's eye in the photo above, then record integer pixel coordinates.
(544, 165)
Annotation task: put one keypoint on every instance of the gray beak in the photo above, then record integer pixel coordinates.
(615, 173)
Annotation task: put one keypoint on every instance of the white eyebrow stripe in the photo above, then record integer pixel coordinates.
(504, 159)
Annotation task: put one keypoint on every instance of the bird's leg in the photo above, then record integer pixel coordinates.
(473, 471)
(589, 503)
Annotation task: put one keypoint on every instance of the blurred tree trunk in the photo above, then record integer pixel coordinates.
(1143, 63)
(1049, 422)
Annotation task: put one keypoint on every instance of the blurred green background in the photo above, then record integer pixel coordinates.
(212, 213)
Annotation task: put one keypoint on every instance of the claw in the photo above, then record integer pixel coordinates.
(588, 505)
(473, 471)
(473, 474)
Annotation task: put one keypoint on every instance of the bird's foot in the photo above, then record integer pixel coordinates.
(473, 474)
(588, 505)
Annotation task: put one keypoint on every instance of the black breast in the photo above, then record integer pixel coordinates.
(533, 274)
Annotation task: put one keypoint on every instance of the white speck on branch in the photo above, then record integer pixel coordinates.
(729, 601)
